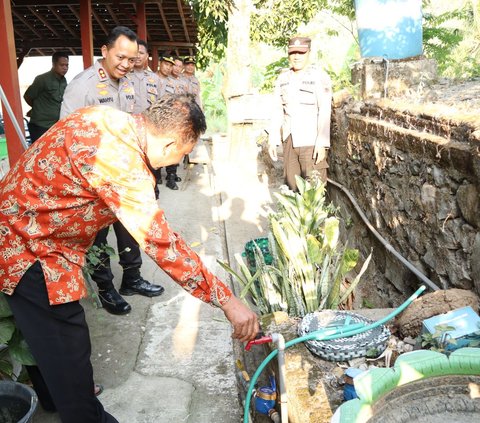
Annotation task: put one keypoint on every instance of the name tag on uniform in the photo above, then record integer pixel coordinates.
(105, 100)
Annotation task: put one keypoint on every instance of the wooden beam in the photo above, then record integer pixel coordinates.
(141, 20)
(43, 20)
(171, 44)
(100, 23)
(86, 32)
(182, 16)
(72, 2)
(112, 14)
(26, 23)
(9, 83)
(64, 23)
(165, 22)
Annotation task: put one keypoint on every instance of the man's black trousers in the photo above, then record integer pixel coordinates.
(129, 256)
(59, 340)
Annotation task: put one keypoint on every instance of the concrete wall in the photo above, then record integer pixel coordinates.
(416, 177)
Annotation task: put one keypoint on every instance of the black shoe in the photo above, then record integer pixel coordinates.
(141, 287)
(178, 179)
(171, 182)
(113, 302)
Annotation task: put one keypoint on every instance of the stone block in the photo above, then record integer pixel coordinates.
(379, 78)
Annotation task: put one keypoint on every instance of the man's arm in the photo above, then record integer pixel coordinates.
(324, 100)
(274, 133)
(32, 91)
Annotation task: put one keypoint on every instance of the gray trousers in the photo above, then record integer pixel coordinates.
(299, 161)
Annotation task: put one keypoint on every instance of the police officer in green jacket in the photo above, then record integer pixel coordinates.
(301, 115)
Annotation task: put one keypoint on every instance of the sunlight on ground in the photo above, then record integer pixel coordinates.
(186, 331)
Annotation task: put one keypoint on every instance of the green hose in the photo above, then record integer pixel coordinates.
(326, 335)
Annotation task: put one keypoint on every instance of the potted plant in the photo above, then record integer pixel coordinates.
(309, 264)
(19, 401)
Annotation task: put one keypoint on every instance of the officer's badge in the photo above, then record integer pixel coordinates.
(102, 73)
(101, 85)
(103, 92)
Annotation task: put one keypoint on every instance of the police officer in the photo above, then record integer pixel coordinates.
(301, 115)
(106, 83)
(189, 74)
(148, 89)
(169, 86)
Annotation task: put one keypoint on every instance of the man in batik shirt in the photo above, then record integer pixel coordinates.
(60, 193)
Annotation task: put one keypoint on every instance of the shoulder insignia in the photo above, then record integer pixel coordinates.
(102, 74)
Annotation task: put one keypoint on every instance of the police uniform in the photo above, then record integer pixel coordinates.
(301, 119)
(179, 84)
(147, 87)
(193, 87)
(94, 86)
(91, 87)
(166, 86)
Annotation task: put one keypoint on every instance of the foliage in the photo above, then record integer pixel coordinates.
(309, 263)
(275, 21)
(211, 17)
(14, 350)
(213, 102)
(438, 340)
(439, 40)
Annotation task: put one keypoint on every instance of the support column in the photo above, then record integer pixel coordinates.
(154, 59)
(141, 20)
(9, 82)
(86, 32)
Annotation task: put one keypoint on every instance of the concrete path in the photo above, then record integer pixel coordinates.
(171, 359)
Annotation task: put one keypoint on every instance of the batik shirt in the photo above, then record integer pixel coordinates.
(87, 172)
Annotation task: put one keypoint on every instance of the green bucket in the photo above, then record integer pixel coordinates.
(249, 252)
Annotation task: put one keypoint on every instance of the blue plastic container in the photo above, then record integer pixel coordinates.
(389, 28)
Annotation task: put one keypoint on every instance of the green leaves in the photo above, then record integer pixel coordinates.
(309, 262)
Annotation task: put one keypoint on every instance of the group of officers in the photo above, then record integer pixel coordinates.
(120, 79)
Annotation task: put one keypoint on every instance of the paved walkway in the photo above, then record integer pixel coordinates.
(171, 359)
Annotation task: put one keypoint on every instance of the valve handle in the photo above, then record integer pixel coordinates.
(258, 341)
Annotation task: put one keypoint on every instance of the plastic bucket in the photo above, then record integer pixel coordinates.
(18, 402)
(249, 252)
(389, 28)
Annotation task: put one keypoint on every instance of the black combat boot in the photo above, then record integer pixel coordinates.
(133, 283)
(171, 178)
(113, 302)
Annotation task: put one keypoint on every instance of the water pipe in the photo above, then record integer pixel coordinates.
(321, 334)
(384, 242)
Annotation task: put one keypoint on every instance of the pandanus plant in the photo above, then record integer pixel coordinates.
(309, 265)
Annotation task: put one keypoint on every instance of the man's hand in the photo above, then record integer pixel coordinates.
(272, 151)
(244, 321)
(319, 154)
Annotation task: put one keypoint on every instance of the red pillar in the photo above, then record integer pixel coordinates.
(141, 20)
(154, 59)
(9, 82)
(86, 32)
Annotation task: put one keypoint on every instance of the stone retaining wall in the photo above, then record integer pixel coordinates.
(416, 177)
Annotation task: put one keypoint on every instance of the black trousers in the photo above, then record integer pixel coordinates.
(36, 131)
(128, 251)
(59, 340)
(172, 169)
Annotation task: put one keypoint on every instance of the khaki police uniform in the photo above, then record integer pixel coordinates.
(166, 85)
(180, 84)
(193, 88)
(94, 86)
(147, 86)
(301, 120)
(91, 87)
